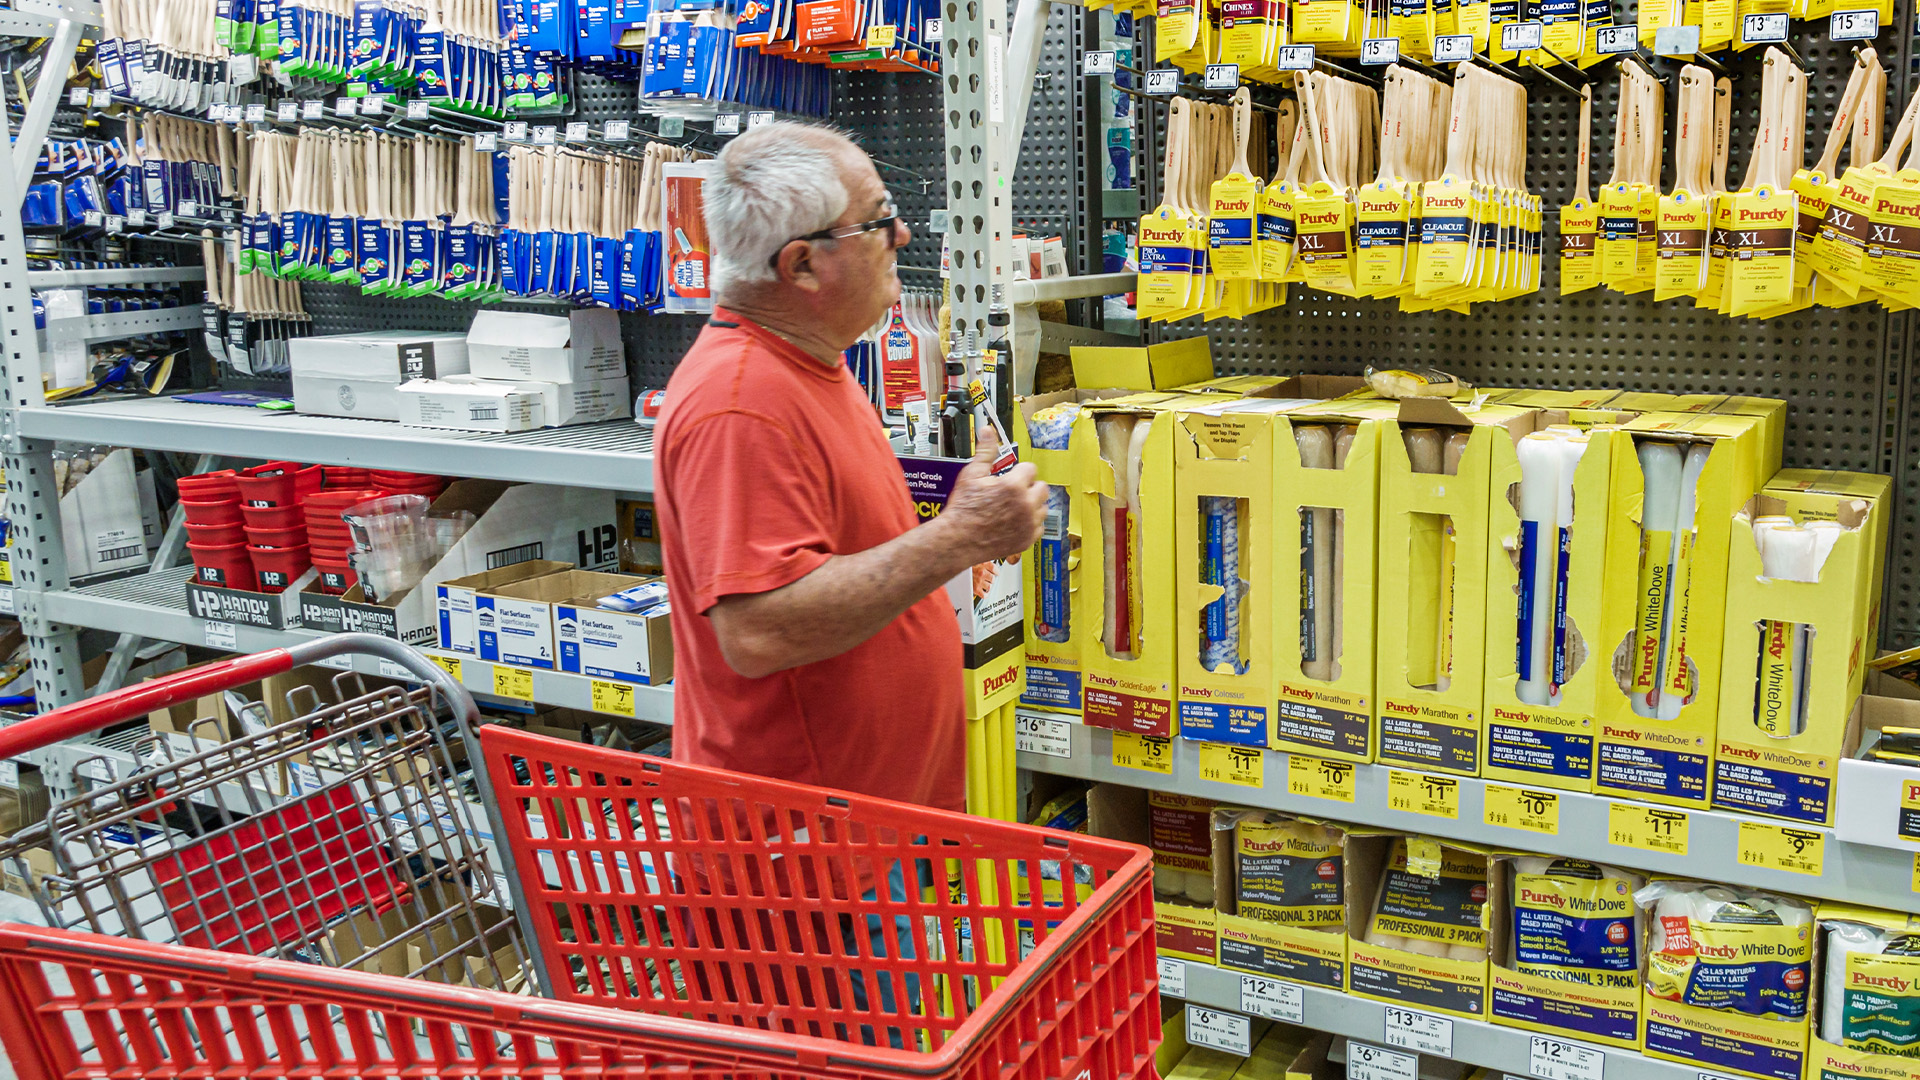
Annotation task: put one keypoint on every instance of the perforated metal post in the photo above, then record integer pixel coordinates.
(979, 176)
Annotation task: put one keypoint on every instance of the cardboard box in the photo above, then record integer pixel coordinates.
(100, 520)
(1641, 756)
(985, 599)
(1053, 573)
(1548, 743)
(541, 619)
(639, 537)
(625, 646)
(1152, 367)
(472, 405)
(1326, 709)
(1433, 544)
(1243, 385)
(583, 346)
(275, 611)
(1396, 976)
(1789, 483)
(1791, 637)
(1724, 1041)
(1609, 1015)
(1255, 938)
(1182, 927)
(1879, 802)
(454, 600)
(514, 523)
(483, 956)
(1313, 1062)
(1828, 1059)
(1772, 413)
(25, 872)
(360, 374)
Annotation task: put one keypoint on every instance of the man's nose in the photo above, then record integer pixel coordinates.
(903, 234)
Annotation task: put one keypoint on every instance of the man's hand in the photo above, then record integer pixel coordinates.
(995, 516)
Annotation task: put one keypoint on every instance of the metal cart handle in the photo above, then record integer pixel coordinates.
(82, 717)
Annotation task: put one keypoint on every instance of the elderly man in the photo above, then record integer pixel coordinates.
(811, 640)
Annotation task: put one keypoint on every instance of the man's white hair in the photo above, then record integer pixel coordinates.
(774, 183)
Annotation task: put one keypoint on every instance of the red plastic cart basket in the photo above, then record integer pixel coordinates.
(692, 922)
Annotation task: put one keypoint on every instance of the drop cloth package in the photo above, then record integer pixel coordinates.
(1417, 923)
(1567, 955)
(1285, 916)
(1727, 977)
(1866, 995)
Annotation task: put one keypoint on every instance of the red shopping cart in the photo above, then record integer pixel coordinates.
(218, 911)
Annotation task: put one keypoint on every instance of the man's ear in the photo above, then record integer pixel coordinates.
(795, 266)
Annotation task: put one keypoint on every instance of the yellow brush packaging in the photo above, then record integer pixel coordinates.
(1407, 898)
(1432, 558)
(1223, 588)
(1638, 401)
(1051, 571)
(1283, 901)
(1676, 482)
(1800, 592)
(1866, 979)
(1123, 479)
(1545, 589)
(1325, 483)
(1545, 915)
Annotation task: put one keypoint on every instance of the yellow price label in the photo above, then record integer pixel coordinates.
(512, 682)
(1223, 764)
(1916, 872)
(1422, 793)
(1782, 847)
(448, 664)
(1523, 808)
(613, 697)
(1148, 753)
(1648, 828)
(1318, 778)
(6, 566)
(881, 37)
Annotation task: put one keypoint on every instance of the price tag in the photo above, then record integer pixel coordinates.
(1366, 1062)
(217, 111)
(672, 127)
(759, 119)
(1647, 828)
(726, 124)
(1224, 1031)
(1273, 999)
(243, 69)
(1422, 793)
(1148, 753)
(163, 220)
(1163, 81)
(1781, 847)
(1452, 48)
(934, 30)
(1523, 808)
(189, 208)
(545, 135)
(10, 774)
(116, 222)
(222, 636)
(1551, 1059)
(1099, 62)
(1222, 77)
(1036, 734)
(93, 218)
(613, 697)
(387, 669)
(345, 106)
(448, 664)
(78, 97)
(338, 663)
(102, 98)
(100, 771)
(372, 106)
(618, 131)
(1223, 764)
(486, 141)
(287, 112)
(312, 110)
(516, 131)
(1318, 778)
(1765, 29)
(577, 131)
(1854, 25)
(1676, 41)
(6, 601)
(512, 682)
(257, 113)
(136, 219)
(1614, 40)
(1419, 1032)
(1521, 36)
(1295, 58)
(882, 36)
(418, 110)
(1173, 977)
(1385, 50)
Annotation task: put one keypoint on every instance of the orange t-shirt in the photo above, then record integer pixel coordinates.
(767, 462)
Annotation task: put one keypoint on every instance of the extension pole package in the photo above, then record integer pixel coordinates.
(1677, 482)
(1801, 586)
(1545, 585)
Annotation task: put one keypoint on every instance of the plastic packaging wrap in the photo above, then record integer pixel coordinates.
(1400, 383)
(1290, 872)
(1117, 535)
(1432, 916)
(1180, 832)
(1576, 921)
(1870, 996)
(1051, 428)
(1717, 947)
(1220, 644)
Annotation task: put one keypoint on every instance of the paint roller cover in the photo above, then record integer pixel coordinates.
(1432, 916)
(1115, 433)
(1423, 449)
(1315, 443)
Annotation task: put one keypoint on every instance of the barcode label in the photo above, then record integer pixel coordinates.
(509, 556)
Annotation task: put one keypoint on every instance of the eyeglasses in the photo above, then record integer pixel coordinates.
(890, 224)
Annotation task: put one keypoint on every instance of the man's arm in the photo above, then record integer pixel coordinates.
(849, 598)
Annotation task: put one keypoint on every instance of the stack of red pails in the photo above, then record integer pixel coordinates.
(406, 483)
(216, 530)
(328, 540)
(270, 497)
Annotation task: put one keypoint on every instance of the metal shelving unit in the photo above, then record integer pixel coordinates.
(126, 275)
(125, 324)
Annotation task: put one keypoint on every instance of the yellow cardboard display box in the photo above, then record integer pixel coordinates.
(1416, 922)
(1282, 907)
(1868, 995)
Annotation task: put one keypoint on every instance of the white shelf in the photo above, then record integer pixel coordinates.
(124, 275)
(125, 324)
(1502, 1049)
(155, 606)
(1072, 288)
(616, 455)
(1856, 873)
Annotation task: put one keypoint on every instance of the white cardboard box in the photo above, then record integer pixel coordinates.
(100, 519)
(455, 600)
(587, 402)
(1879, 803)
(582, 347)
(470, 404)
(359, 374)
(602, 644)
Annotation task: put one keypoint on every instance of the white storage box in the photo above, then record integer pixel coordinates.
(582, 347)
(360, 374)
(470, 404)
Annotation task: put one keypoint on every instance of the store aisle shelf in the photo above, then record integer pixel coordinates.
(124, 324)
(616, 455)
(123, 275)
(1857, 873)
(1503, 1049)
(155, 606)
